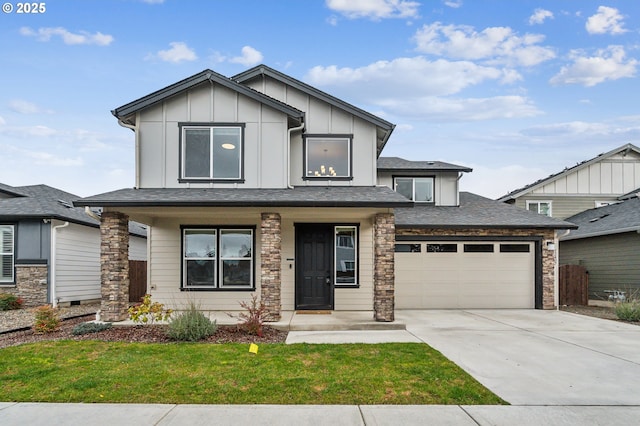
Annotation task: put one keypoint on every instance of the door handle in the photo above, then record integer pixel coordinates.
(327, 280)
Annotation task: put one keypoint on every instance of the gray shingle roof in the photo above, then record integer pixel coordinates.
(309, 196)
(45, 202)
(611, 219)
(475, 212)
(400, 164)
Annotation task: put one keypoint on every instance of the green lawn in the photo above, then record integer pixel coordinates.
(94, 371)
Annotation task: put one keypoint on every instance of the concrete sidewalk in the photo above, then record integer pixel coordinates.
(35, 414)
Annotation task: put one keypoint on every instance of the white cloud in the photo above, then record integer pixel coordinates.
(375, 9)
(607, 20)
(607, 64)
(45, 158)
(573, 128)
(453, 3)
(539, 16)
(178, 52)
(493, 44)
(2, 121)
(23, 132)
(470, 109)
(25, 107)
(403, 78)
(494, 182)
(82, 37)
(249, 57)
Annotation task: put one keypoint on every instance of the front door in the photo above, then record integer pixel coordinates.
(314, 266)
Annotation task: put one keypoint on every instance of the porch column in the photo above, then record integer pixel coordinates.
(384, 274)
(271, 263)
(114, 263)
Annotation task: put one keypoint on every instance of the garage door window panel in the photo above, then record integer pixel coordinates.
(478, 248)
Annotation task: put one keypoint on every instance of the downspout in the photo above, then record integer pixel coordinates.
(54, 229)
(291, 130)
(137, 147)
(458, 188)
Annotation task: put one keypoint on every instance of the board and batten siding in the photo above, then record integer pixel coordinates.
(613, 262)
(323, 118)
(77, 263)
(264, 143)
(165, 249)
(445, 185)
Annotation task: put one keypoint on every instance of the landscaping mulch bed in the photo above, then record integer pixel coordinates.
(139, 333)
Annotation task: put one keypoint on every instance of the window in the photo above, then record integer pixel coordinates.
(217, 258)
(514, 248)
(211, 152)
(540, 207)
(346, 251)
(419, 189)
(442, 248)
(7, 258)
(408, 248)
(327, 157)
(478, 248)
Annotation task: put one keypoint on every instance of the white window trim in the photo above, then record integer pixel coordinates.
(538, 202)
(211, 177)
(11, 280)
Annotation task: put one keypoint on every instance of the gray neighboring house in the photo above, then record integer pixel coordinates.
(260, 184)
(50, 250)
(607, 244)
(590, 184)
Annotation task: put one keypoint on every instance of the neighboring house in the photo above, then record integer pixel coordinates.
(262, 184)
(607, 244)
(50, 250)
(590, 184)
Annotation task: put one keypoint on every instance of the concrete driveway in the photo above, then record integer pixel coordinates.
(533, 357)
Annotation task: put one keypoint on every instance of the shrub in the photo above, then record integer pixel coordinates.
(252, 321)
(90, 327)
(147, 312)
(9, 302)
(191, 325)
(47, 319)
(628, 311)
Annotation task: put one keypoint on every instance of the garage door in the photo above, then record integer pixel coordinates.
(461, 275)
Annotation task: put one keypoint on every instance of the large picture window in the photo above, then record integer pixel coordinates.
(7, 256)
(217, 258)
(327, 157)
(211, 152)
(418, 189)
(346, 256)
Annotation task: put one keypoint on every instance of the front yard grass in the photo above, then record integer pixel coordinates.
(95, 371)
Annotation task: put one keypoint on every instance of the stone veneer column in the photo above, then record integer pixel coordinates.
(384, 274)
(114, 262)
(31, 284)
(549, 260)
(271, 263)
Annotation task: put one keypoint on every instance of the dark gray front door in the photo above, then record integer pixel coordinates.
(314, 267)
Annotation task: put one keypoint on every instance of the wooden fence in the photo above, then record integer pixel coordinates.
(573, 285)
(137, 280)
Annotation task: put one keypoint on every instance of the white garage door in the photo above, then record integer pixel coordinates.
(465, 275)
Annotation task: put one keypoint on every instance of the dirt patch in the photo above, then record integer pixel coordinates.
(604, 312)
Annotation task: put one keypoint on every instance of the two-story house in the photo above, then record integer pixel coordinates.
(262, 184)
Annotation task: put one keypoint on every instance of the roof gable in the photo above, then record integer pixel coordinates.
(385, 128)
(125, 112)
(622, 150)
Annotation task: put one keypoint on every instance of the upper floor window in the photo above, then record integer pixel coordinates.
(418, 189)
(327, 156)
(7, 258)
(211, 152)
(540, 207)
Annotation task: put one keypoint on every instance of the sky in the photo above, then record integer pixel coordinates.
(516, 90)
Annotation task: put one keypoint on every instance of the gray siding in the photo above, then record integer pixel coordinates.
(613, 262)
(563, 207)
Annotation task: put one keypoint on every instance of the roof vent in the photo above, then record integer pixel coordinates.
(595, 219)
(65, 204)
